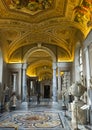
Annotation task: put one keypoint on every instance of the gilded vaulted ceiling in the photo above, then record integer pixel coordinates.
(41, 32)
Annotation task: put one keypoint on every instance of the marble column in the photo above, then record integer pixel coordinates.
(54, 83)
(14, 82)
(86, 51)
(24, 84)
(87, 72)
(59, 84)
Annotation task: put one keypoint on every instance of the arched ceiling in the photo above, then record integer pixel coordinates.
(42, 31)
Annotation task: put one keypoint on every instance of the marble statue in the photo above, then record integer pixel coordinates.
(13, 100)
(78, 115)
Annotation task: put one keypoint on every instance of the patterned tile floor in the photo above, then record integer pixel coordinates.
(43, 116)
(35, 120)
(33, 116)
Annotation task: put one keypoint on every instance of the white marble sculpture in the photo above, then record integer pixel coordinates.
(78, 115)
(13, 100)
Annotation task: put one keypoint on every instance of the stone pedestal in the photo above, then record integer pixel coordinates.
(91, 117)
(59, 95)
(7, 106)
(79, 116)
(90, 106)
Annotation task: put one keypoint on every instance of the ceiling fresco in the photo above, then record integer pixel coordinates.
(29, 6)
(41, 32)
(83, 11)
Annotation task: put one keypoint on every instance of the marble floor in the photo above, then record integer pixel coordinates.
(47, 115)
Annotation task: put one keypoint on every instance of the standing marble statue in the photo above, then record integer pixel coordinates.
(13, 100)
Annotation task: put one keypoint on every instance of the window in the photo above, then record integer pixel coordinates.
(80, 62)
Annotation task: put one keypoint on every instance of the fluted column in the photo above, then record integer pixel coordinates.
(14, 82)
(59, 84)
(24, 84)
(54, 83)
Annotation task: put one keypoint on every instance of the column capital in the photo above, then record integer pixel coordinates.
(85, 49)
(14, 74)
(59, 69)
(24, 66)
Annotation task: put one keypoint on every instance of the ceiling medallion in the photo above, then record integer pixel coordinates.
(29, 6)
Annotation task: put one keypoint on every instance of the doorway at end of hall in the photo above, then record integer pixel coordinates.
(46, 91)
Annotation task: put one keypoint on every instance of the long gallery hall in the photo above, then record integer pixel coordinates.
(45, 64)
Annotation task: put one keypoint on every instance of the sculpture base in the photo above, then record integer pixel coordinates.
(79, 116)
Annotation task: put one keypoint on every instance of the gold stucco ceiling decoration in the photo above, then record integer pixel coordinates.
(44, 71)
(40, 52)
(38, 38)
(55, 8)
(35, 31)
(39, 67)
(40, 63)
(63, 55)
(32, 53)
(62, 9)
(15, 57)
(82, 12)
(29, 6)
(11, 35)
(39, 55)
